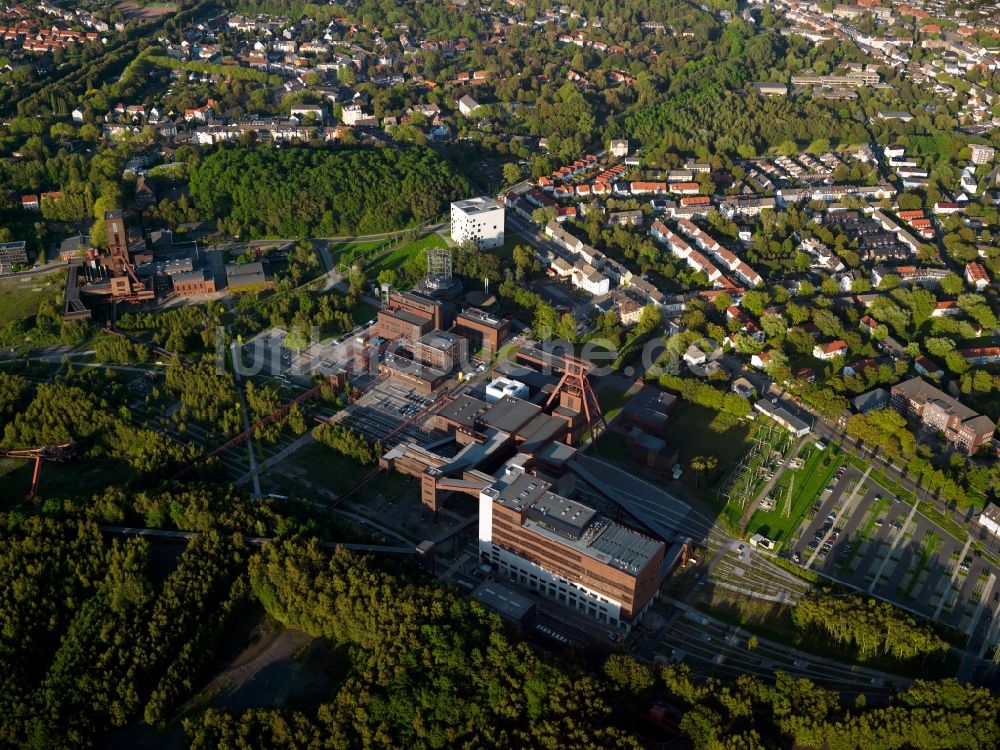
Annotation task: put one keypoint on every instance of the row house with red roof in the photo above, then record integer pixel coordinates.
(688, 254)
(706, 242)
(975, 274)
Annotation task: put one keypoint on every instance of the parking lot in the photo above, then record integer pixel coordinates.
(862, 535)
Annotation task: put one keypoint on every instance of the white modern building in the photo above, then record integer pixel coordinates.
(477, 220)
(467, 105)
(981, 154)
(500, 388)
(990, 518)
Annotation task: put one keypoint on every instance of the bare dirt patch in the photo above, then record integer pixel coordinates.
(137, 12)
(278, 669)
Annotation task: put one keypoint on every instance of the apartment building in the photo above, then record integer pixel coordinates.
(933, 408)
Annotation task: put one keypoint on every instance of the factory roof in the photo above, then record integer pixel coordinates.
(199, 275)
(481, 317)
(540, 431)
(463, 410)
(440, 340)
(510, 414)
(248, 274)
(650, 399)
(408, 316)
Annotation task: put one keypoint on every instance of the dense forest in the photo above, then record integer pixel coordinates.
(99, 634)
(304, 192)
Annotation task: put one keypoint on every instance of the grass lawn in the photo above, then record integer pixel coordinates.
(611, 401)
(506, 251)
(345, 251)
(809, 482)
(507, 352)
(875, 512)
(697, 431)
(325, 467)
(400, 256)
(21, 298)
(74, 478)
(391, 486)
(611, 446)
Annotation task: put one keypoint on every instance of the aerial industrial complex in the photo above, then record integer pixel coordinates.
(502, 427)
(143, 267)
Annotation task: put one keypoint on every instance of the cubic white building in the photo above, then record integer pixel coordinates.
(477, 220)
(500, 388)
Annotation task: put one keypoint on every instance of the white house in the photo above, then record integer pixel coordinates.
(836, 348)
(303, 112)
(351, 114)
(981, 154)
(975, 274)
(588, 278)
(467, 105)
(478, 220)
(619, 148)
(77, 115)
(695, 356)
(968, 181)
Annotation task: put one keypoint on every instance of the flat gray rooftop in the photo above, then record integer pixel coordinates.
(503, 600)
(576, 525)
(476, 205)
(440, 340)
(629, 549)
(509, 414)
(463, 410)
(481, 317)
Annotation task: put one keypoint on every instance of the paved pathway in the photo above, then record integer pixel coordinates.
(278, 457)
(245, 412)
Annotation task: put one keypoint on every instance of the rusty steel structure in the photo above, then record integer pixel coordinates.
(574, 391)
(42, 453)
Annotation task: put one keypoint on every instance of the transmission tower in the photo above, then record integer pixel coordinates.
(786, 509)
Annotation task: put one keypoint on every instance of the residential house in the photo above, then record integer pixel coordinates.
(926, 366)
(836, 348)
(467, 105)
(975, 274)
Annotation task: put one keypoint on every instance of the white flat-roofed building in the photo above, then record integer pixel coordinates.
(990, 518)
(500, 388)
(477, 220)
